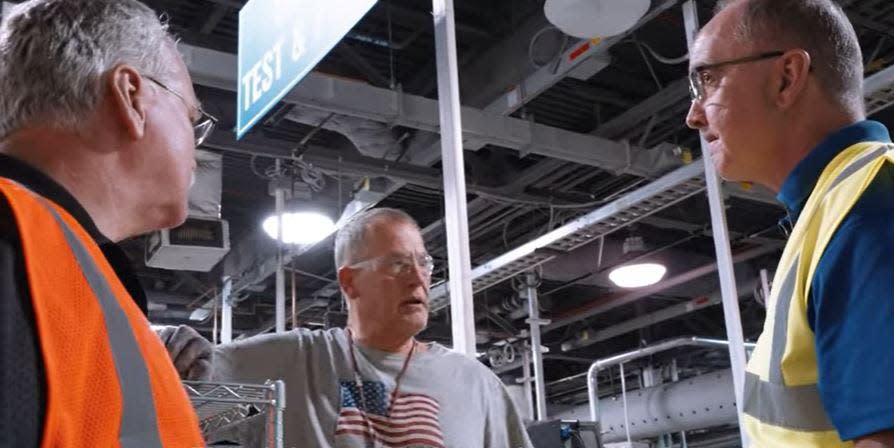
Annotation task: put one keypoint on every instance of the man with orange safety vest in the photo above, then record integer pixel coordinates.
(98, 126)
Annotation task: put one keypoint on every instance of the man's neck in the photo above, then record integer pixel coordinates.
(80, 171)
(800, 140)
(385, 343)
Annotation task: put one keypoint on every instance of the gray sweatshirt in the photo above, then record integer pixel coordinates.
(444, 399)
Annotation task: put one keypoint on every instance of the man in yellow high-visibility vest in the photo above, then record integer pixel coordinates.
(777, 95)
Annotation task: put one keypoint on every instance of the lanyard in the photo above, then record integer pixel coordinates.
(359, 381)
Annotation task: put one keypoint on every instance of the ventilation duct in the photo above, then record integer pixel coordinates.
(372, 139)
(696, 403)
(204, 195)
(203, 240)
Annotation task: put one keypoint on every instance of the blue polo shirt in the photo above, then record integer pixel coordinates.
(851, 303)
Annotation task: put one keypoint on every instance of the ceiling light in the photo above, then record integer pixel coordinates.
(595, 18)
(637, 275)
(300, 227)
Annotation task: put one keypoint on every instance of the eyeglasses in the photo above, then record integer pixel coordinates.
(397, 265)
(202, 127)
(699, 77)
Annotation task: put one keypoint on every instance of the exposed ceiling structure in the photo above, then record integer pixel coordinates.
(549, 138)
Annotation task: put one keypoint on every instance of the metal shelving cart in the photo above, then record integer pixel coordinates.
(221, 405)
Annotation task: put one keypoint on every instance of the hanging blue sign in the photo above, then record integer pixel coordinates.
(280, 42)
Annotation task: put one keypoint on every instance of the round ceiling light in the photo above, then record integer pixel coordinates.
(637, 275)
(300, 227)
(595, 18)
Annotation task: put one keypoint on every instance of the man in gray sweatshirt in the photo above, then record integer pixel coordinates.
(373, 384)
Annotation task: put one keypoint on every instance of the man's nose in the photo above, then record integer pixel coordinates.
(419, 276)
(695, 119)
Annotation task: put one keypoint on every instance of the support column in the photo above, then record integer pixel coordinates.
(526, 381)
(535, 322)
(730, 297)
(226, 313)
(457, 221)
(280, 198)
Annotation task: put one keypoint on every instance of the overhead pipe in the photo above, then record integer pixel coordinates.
(600, 364)
(695, 403)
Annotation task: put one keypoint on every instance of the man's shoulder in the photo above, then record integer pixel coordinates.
(873, 214)
(463, 362)
(300, 336)
(863, 236)
(876, 200)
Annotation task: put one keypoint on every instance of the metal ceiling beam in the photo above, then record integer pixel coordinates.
(619, 126)
(548, 75)
(217, 14)
(614, 301)
(481, 81)
(879, 90)
(236, 4)
(667, 190)
(359, 62)
(331, 94)
(870, 24)
(361, 166)
(745, 288)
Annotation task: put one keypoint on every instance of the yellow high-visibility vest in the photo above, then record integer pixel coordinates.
(782, 403)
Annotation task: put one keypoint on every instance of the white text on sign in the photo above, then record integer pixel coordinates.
(258, 80)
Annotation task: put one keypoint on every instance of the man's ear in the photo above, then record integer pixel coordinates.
(127, 92)
(346, 282)
(793, 74)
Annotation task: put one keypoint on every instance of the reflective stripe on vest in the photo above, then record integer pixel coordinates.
(777, 413)
(139, 428)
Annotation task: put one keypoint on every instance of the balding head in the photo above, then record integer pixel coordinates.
(819, 27)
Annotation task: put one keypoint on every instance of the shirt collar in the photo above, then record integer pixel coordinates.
(800, 182)
(38, 182)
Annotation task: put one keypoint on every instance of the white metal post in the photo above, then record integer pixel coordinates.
(536, 348)
(527, 378)
(279, 195)
(457, 221)
(226, 312)
(729, 294)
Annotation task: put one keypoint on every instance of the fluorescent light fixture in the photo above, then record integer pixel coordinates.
(637, 275)
(300, 227)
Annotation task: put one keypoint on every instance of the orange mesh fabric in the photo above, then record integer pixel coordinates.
(84, 397)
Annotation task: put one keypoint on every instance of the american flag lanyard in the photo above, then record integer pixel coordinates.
(359, 380)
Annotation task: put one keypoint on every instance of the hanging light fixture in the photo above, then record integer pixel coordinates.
(595, 18)
(302, 223)
(636, 275)
(302, 227)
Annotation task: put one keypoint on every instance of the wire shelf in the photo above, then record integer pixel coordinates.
(220, 405)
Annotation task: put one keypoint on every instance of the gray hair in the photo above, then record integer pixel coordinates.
(351, 237)
(53, 54)
(821, 28)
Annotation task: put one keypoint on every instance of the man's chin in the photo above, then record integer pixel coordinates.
(417, 323)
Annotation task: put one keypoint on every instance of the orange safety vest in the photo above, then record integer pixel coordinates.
(109, 379)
